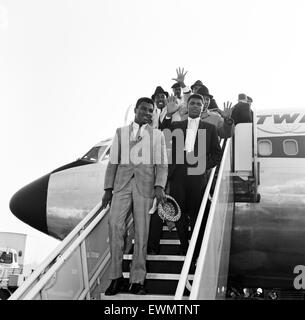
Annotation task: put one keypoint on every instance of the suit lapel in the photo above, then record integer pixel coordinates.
(131, 137)
(200, 126)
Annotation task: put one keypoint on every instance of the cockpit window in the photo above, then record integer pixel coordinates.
(107, 154)
(6, 257)
(95, 153)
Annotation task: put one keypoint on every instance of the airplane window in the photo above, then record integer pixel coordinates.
(290, 147)
(264, 147)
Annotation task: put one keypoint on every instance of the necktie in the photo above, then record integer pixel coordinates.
(138, 135)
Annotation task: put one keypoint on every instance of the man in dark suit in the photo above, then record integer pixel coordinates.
(241, 112)
(136, 173)
(195, 149)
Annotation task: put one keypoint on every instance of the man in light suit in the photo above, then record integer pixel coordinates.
(136, 173)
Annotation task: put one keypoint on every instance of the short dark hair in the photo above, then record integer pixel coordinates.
(196, 96)
(144, 99)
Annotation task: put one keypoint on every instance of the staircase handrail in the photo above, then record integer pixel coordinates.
(62, 247)
(206, 237)
(189, 255)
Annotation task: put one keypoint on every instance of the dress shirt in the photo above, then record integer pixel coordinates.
(162, 114)
(135, 129)
(191, 132)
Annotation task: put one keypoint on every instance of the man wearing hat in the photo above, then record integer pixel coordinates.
(194, 89)
(165, 105)
(196, 86)
(249, 100)
(241, 112)
(221, 119)
(135, 175)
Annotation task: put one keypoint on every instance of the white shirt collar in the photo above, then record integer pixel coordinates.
(135, 128)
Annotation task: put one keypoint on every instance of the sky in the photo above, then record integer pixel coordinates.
(69, 69)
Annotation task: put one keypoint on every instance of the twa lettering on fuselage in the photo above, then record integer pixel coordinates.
(281, 123)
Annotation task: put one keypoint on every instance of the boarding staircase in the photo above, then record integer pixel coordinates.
(78, 268)
(163, 271)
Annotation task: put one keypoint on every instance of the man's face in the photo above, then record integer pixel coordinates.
(195, 106)
(177, 92)
(160, 100)
(143, 113)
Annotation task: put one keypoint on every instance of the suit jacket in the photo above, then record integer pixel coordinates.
(213, 149)
(156, 121)
(145, 160)
(242, 113)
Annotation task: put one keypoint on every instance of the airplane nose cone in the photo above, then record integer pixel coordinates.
(29, 204)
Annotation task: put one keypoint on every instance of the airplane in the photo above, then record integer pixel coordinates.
(267, 239)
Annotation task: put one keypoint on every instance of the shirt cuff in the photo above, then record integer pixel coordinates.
(159, 186)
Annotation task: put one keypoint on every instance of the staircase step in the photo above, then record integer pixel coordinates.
(159, 264)
(167, 241)
(164, 284)
(169, 234)
(161, 276)
(165, 249)
(158, 257)
(165, 228)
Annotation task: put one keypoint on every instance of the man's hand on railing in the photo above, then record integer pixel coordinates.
(107, 197)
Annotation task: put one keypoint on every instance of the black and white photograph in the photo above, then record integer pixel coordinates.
(154, 152)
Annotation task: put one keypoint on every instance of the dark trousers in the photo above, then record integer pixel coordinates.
(187, 190)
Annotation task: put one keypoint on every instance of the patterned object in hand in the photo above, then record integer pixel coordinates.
(170, 210)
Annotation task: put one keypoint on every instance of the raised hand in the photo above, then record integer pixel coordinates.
(206, 103)
(227, 109)
(172, 105)
(180, 76)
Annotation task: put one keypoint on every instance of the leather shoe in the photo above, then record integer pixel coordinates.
(115, 287)
(137, 288)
